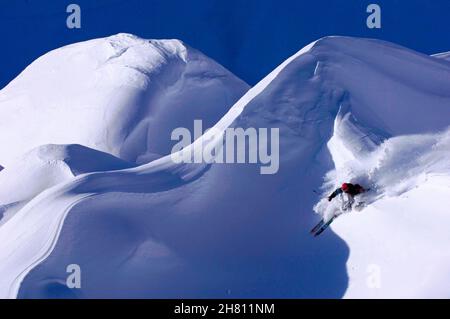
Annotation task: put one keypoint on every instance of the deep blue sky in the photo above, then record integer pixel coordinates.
(249, 37)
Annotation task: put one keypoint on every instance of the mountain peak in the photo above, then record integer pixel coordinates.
(380, 81)
(124, 41)
(108, 93)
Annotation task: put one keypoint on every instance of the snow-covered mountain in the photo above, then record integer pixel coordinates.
(348, 109)
(122, 95)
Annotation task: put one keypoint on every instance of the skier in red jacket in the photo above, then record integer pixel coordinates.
(347, 188)
(351, 190)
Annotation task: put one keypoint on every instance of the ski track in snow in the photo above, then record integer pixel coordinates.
(53, 235)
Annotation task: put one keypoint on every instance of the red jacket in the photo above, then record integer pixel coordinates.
(352, 189)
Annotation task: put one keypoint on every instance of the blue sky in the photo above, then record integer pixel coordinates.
(249, 37)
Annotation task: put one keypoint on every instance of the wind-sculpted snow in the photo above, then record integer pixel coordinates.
(443, 56)
(47, 166)
(122, 95)
(347, 109)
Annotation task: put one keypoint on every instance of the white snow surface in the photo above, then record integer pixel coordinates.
(122, 94)
(443, 56)
(47, 166)
(348, 109)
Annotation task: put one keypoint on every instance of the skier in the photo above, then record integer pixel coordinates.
(351, 190)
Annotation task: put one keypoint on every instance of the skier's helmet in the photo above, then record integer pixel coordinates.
(344, 187)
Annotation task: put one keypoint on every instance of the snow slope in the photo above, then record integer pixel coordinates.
(399, 243)
(46, 166)
(347, 109)
(122, 95)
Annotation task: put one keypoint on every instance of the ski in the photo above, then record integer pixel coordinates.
(324, 226)
(346, 206)
(315, 228)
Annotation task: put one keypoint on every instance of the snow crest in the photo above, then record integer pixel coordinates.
(122, 95)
